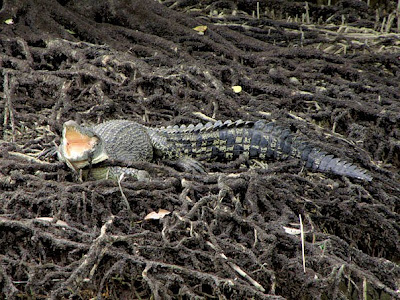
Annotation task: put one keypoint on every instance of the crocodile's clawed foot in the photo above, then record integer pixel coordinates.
(143, 175)
(187, 164)
(115, 173)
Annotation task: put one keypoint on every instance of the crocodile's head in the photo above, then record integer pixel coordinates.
(80, 146)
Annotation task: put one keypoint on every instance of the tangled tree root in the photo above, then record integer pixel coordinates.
(232, 233)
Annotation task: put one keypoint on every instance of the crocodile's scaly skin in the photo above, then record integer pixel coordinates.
(129, 141)
(124, 140)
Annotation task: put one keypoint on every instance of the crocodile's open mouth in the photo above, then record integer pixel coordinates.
(77, 144)
(80, 146)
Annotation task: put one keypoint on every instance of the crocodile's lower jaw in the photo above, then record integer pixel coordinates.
(99, 158)
(80, 164)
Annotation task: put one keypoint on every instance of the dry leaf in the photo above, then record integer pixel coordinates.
(292, 231)
(157, 215)
(237, 89)
(49, 219)
(200, 29)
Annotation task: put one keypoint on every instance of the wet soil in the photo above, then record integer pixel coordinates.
(329, 73)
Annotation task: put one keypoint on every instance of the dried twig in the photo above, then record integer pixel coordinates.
(204, 117)
(9, 111)
(302, 244)
(121, 177)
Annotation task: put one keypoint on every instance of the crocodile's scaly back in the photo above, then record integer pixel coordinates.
(125, 140)
(261, 140)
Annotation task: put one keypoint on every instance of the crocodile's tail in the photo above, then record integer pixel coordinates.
(261, 140)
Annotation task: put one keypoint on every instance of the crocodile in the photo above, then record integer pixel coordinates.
(128, 141)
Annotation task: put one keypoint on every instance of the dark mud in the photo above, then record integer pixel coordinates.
(330, 73)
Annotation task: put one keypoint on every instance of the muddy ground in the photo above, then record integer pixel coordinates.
(329, 73)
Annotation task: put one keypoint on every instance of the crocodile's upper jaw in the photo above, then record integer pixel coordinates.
(80, 146)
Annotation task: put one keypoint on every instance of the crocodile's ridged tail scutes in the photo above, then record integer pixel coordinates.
(261, 140)
(324, 162)
(288, 145)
